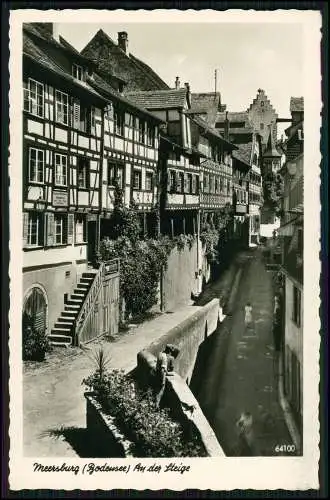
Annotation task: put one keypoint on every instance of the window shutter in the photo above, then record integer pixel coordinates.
(76, 113)
(168, 180)
(70, 228)
(50, 229)
(25, 228)
(177, 182)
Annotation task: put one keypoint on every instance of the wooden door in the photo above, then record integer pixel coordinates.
(110, 315)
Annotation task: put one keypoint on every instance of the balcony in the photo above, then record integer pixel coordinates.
(143, 197)
(241, 209)
(215, 200)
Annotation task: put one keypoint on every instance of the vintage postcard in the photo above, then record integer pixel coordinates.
(164, 249)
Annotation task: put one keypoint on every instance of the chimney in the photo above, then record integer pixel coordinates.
(188, 93)
(177, 83)
(123, 41)
(226, 130)
(56, 33)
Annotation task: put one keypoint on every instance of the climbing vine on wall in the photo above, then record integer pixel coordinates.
(142, 259)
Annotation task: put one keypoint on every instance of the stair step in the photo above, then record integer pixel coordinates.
(86, 280)
(63, 325)
(82, 286)
(56, 337)
(60, 344)
(68, 314)
(77, 296)
(71, 302)
(62, 330)
(88, 275)
(80, 291)
(64, 319)
(73, 308)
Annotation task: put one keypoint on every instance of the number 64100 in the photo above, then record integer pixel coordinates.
(289, 448)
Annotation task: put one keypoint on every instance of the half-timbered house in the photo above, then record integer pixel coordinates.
(178, 159)
(130, 156)
(62, 152)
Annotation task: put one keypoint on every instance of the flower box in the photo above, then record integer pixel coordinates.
(103, 428)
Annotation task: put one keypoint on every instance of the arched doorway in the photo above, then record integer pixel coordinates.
(35, 309)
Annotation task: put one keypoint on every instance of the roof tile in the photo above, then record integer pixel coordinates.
(159, 99)
(296, 104)
(112, 59)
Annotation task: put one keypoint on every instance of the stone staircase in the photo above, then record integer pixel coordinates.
(62, 333)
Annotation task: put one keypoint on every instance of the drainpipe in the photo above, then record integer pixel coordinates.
(198, 249)
(100, 184)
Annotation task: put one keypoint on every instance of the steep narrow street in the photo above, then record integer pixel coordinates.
(237, 369)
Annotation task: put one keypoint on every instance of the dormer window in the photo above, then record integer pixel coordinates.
(77, 72)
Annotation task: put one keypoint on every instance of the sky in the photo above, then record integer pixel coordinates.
(247, 56)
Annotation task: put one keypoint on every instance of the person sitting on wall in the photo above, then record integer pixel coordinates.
(164, 367)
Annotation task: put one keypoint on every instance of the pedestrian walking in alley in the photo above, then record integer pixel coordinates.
(277, 322)
(246, 438)
(248, 319)
(164, 367)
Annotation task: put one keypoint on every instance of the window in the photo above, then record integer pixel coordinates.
(261, 126)
(221, 184)
(115, 174)
(193, 184)
(119, 122)
(172, 181)
(82, 173)
(60, 229)
(211, 183)
(80, 229)
(61, 107)
(190, 183)
(262, 103)
(149, 181)
(141, 131)
(228, 186)
(92, 120)
(137, 179)
(61, 170)
(216, 185)
(151, 136)
(296, 309)
(36, 165)
(34, 97)
(206, 183)
(35, 229)
(77, 72)
(180, 182)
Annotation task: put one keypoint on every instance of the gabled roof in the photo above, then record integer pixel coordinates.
(38, 30)
(159, 99)
(233, 116)
(35, 53)
(212, 131)
(244, 153)
(106, 90)
(271, 151)
(112, 59)
(205, 102)
(296, 104)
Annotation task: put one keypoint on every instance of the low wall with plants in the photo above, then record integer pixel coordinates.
(126, 421)
(187, 336)
(104, 429)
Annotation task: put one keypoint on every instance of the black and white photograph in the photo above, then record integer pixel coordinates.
(162, 309)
